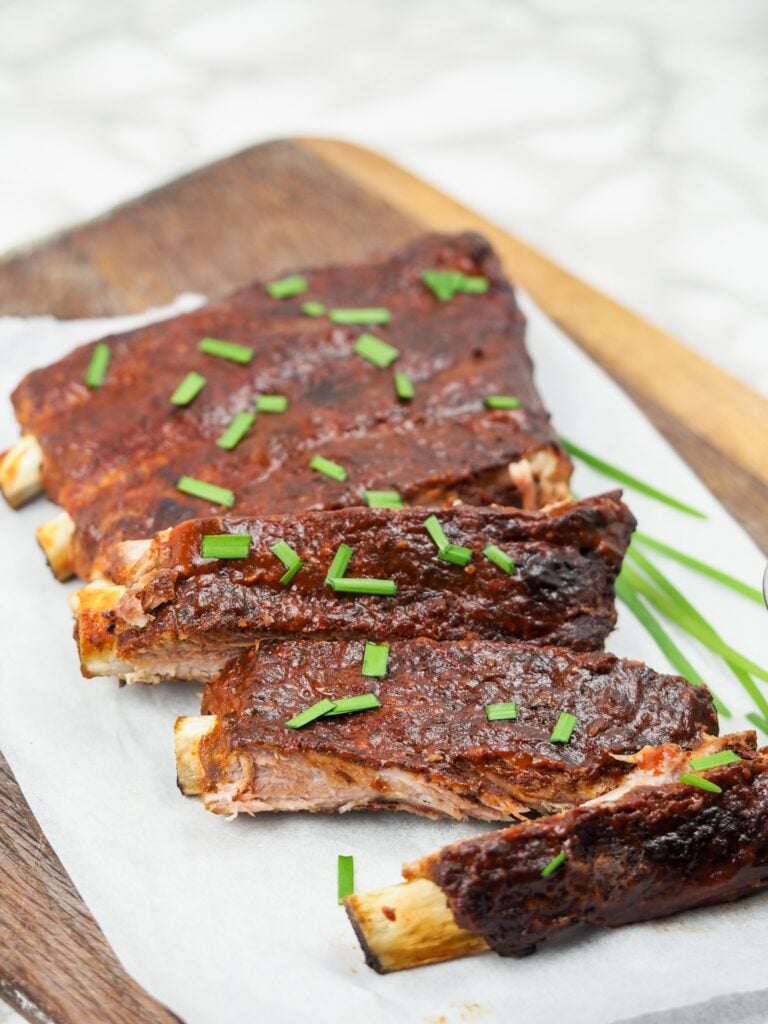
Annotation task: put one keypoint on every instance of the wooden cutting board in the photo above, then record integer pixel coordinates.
(265, 210)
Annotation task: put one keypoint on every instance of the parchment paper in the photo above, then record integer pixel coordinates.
(233, 921)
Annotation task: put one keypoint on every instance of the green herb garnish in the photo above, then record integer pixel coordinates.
(375, 658)
(226, 350)
(445, 284)
(564, 727)
(236, 431)
(371, 315)
(705, 569)
(501, 402)
(271, 403)
(383, 499)
(349, 585)
(97, 368)
(282, 550)
(376, 350)
(506, 712)
(436, 532)
(312, 308)
(189, 389)
(287, 287)
(499, 558)
(310, 714)
(701, 764)
(455, 554)
(208, 492)
(348, 705)
(700, 783)
(226, 545)
(630, 481)
(553, 865)
(340, 562)
(328, 467)
(345, 871)
(403, 386)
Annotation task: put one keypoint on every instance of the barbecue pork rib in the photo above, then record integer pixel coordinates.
(112, 455)
(171, 613)
(654, 846)
(429, 748)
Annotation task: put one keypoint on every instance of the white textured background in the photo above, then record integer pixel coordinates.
(627, 139)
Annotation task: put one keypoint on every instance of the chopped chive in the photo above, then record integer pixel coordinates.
(499, 558)
(626, 593)
(349, 585)
(383, 499)
(348, 705)
(506, 712)
(564, 727)
(375, 350)
(475, 284)
(310, 714)
(671, 590)
(271, 403)
(209, 492)
(502, 402)
(226, 545)
(693, 563)
(375, 658)
(701, 764)
(445, 284)
(553, 865)
(436, 532)
(404, 386)
(287, 287)
(282, 550)
(345, 872)
(455, 554)
(371, 315)
(700, 783)
(340, 562)
(236, 431)
(189, 389)
(328, 467)
(691, 625)
(312, 308)
(226, 350)
(97, 368)
(631, 481)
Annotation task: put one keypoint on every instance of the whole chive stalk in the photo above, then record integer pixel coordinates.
(671, 590)
(664, 641)
(702, 567)
(630, 481)
(670, 609)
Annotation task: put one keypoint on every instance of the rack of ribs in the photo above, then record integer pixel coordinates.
(657, 844)
(442, 445)
(169, 612)
(426, 744)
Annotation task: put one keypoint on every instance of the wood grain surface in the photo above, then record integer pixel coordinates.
(274, 207)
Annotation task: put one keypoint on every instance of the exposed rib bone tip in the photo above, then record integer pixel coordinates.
(188, 733)
(21, 471)
(55, 538)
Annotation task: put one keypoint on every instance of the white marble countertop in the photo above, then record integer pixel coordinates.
(626, 139)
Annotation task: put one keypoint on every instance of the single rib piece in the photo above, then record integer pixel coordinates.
(170, 613)
(429, 748)
(652, 847)
(115, 471)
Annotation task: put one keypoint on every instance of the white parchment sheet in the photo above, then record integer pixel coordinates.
(238, 921)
